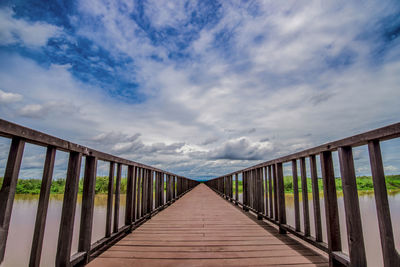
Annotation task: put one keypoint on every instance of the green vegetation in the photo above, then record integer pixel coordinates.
(32, 186)
(364, 183)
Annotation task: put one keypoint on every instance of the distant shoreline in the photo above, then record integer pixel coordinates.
(364, 184)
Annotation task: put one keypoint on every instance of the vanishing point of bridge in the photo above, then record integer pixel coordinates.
(171, 220)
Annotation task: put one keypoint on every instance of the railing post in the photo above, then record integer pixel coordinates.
(117, 197)
(110, 199)
(266, 190)
(162, 188)
(296, 195)
(352, 208)
(151, 188)
(89, 184)
(260, 193)
(8, 188)
(316, 206)
(331, 207)
(41, 214)
(135, 177)
(144, 193)
(275, 192)
(68, 210)
(168, 188)
(139, 194)
(174, 187)
(304, 190)
(271, 204)
(390, 255)
(281, 198)
(157, 190)
(129, 196)
(245, 191)
(237, 188)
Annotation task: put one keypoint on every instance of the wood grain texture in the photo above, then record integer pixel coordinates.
(8, 188)
(331, 207)
(41, 214)
(315, 194)
(355, 236)
(68, 210)
(203, 229)
(296, 195)
(110, 192)
(390, 255)
(304, 190)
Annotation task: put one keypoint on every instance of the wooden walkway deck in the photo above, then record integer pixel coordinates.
(202, 229)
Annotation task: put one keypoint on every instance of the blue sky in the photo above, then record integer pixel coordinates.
(199, 88)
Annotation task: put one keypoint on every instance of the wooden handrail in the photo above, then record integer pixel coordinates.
(140, 205)
(271, 173)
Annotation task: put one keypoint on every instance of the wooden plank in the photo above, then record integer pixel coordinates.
(144, 192)
(331, 207)
(168, 188)
(260, 193)
(275, 189)
(129, 196)
(139, 194)
(151, 183)
(89, 185)
(352, 208)
(390, 255)
(266, 190)
(117, 197)
(237, 187)
(315, 193)
(68, 210)
(110, 193)
(271, 204)
(281, 197)
(161, 192)
(134, 193)
(194, 237)
(157, 190)
(173, 187)
(296, 195)
(304, 190)
(8, 188)
(41, 214)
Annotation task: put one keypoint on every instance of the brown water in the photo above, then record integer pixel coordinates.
(22, 225)
(24, 213)
(368, 217)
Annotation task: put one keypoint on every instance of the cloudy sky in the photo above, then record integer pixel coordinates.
(199, 88)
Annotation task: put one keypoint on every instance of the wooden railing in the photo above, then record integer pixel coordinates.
(270, 174)
(140, 206)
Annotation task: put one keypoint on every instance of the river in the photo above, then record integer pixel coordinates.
(24, 213)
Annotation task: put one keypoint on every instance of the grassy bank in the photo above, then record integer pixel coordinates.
(364, 183)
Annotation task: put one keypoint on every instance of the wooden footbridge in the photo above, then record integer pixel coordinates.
(171, 220)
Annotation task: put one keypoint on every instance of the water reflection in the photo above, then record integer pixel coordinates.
(22, 225)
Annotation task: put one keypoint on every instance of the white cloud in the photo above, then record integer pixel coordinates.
(228, 107)
(32, 111)
(19, 31)
(8, 97)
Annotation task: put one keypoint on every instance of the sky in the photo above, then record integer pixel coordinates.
(199, 88)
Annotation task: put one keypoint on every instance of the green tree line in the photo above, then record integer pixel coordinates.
(32, 186)
(364, 183)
